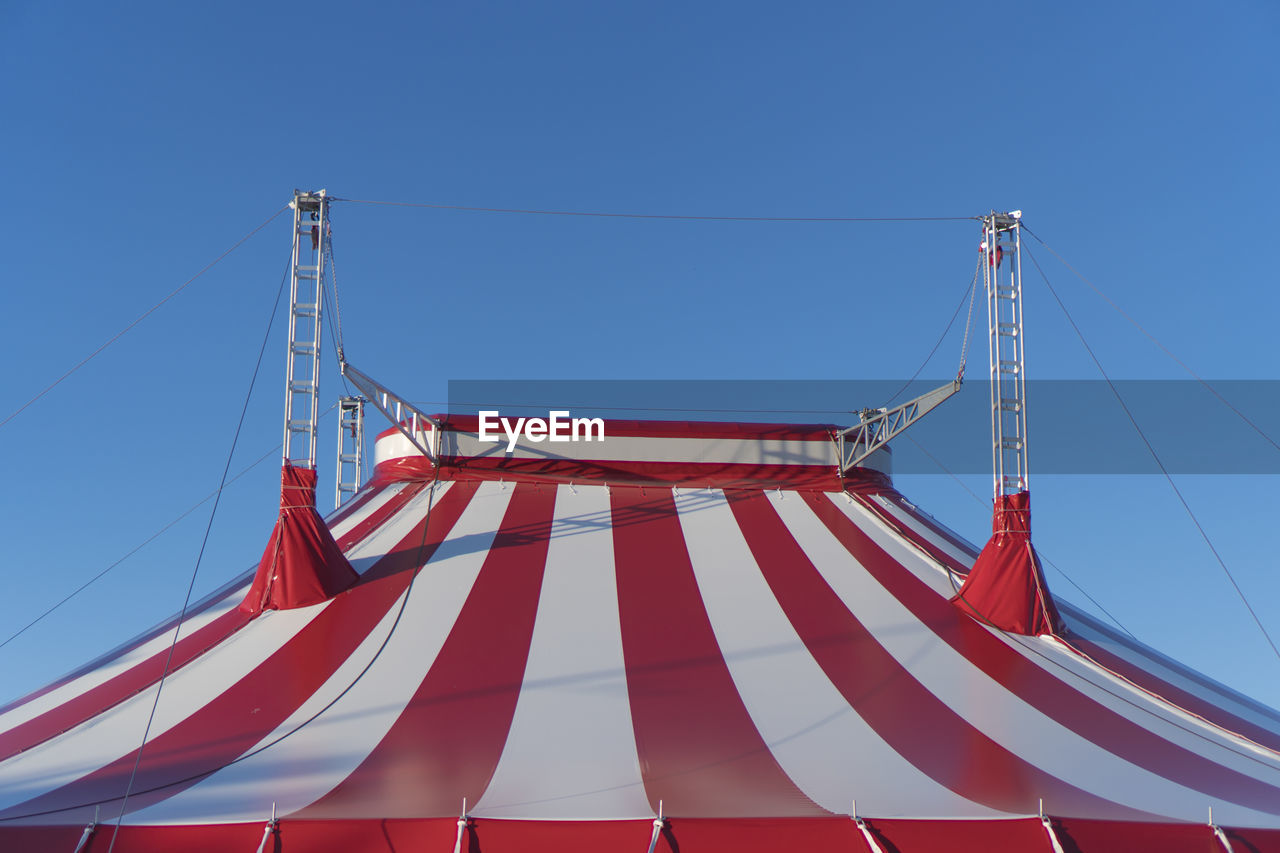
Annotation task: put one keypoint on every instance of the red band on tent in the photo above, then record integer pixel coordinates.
(301, 565)
(1050, 696)
(921, 728)
(700, 752)
(446, 743)
(1006, 587)
(225, 728)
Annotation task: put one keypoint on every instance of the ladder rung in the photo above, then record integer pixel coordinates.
(1008, 329)
(1011, 443)
(1005, 292)
(1010, 405)
(303, 349)
(1009, 367)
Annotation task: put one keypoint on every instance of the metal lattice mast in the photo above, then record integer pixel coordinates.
(1002, 266)
(350, 447)
(306, 296)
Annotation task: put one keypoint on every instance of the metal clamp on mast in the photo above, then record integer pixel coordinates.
(1002, 274)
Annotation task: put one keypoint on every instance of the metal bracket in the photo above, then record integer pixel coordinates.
(878, 427)
(396, 409)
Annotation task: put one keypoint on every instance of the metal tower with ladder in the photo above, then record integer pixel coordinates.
(350, 447)
(306, 297)
(1002, 274)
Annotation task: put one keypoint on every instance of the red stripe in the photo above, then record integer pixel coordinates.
(1125, 667)
(110, 693)
(665, 429)
(199, 607)
(912, 535)
(916, 724)
(361, 498)
(1182, 698)
(1177, 695)
(811, 835)
(936, 527)
(700, 753)
(235, 586)
(904, 835)
(239, 717)
(1143, 678)
(639, 473)
(1049, 695)
(446, 743)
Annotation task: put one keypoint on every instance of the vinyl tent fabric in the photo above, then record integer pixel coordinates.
(301, 564)
(1006, 586)
(574, 657)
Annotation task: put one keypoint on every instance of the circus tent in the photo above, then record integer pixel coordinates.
(683, 637)
(577, 647)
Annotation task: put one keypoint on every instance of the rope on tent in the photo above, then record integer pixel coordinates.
(186, 603)
(89, 830)
(1154, 340)
(1219, 834)
(144, 315)
(867, 835)
(659, 823)
(463, 822)
(604, 215)
(1048, 828)
(269, 830)
(1159, 463)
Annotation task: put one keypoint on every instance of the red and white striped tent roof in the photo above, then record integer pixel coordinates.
(702, 622)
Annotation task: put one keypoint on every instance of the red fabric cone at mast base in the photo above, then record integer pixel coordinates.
(1006, 587)
(302, 564)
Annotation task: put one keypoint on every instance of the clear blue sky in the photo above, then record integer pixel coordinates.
(1139, 138)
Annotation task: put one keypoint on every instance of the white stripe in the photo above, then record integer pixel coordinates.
(1151, 661)
(106, 737)
(1112, 692)
(571, 748)
(908, 520)
(822, 743)
(114, 733)
(375, 503)
(109, 670)
(161, 643)
(1087, 626)
(816, 452)
(971, 693)
(317, 755)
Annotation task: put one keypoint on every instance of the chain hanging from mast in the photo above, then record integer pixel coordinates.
(1002, 274)
(306, 297)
